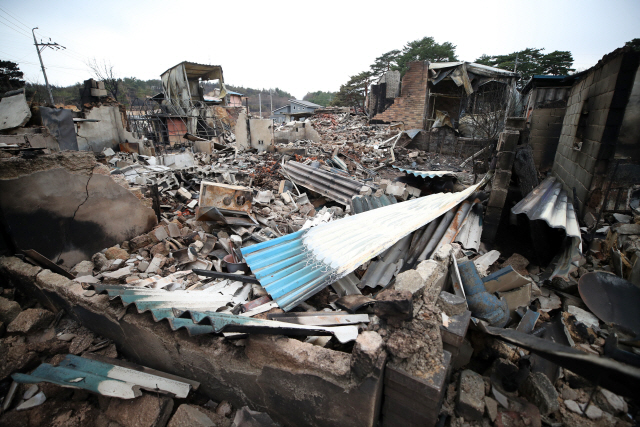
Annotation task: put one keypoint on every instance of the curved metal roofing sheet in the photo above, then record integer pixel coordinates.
(426, 174)
(294, 267)
(201, 306)
(549, 202)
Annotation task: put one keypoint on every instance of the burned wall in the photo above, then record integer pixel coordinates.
(107, 132)
(67, 207)
(409, 107)
(595, 111)
(544, 135)
(298, 383)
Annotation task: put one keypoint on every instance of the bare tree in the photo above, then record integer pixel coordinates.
(104, 72)
(485, 111)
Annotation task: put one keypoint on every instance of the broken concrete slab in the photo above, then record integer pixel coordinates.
(451, 304)
(67, 208)
(245, 417)
(30, 320)
(9, 310)
(193, 416)
(394, 304)
(146, 411)
(470, 401)
(537, 388)
(173, 229)
(83, 268)
(14, 111)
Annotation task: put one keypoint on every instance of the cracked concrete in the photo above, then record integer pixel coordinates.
(67, 207)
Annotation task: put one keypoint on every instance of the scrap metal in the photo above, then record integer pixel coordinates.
(549, 202)
(426, 174)
(332, 185)
(201, 306)
(294, 267)
(220, 202)
(103, 378)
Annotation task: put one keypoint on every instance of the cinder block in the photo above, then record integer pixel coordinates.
(501, 179)
(508, 140)
(497, 198)
(505, 160)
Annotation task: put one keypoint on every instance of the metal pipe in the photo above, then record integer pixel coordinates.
(455, 225)
(482, 304)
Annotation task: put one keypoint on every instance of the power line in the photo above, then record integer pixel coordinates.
(13, 28)
(72, 53)
(14, 17)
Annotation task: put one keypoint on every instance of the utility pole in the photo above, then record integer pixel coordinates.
(260, 102)
(271, 96)
(55, 46)
(515, 68)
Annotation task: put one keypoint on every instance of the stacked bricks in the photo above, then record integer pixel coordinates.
(409, 108)
(410, 401)
(506, 148)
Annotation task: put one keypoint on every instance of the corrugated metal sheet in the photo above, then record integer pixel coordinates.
(361, 204)
(334, 186)
(549, 202)
(348, 285)
(484, 70)
(201, 306)
(292, 268)
(103, 378)
(426, 174)
(382, 270)
(471, 231)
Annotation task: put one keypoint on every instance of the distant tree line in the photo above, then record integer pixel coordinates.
(320, 97)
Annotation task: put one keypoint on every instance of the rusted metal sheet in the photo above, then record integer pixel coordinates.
(224, 202)
(130, 147)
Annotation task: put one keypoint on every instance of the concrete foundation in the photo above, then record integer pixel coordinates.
(296, 383)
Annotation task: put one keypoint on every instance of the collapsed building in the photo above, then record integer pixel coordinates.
(332, 271)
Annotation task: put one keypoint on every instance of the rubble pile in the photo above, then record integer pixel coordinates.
(239, 249)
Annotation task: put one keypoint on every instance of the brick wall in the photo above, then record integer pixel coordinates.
(409, 107)
(544, 134)
(591, 124)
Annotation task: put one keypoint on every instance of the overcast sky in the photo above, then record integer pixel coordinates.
(296, 46)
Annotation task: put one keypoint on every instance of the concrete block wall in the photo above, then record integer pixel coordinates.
(544, 134)
(590, 127)
(409, 107)
(506, 148)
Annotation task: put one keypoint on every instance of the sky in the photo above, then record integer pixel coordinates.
(300, 48)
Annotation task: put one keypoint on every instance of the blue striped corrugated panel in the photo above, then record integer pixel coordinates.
(426, 174)
(286, 269)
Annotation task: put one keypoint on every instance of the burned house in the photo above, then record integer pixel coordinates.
(182, 108)
(545, 104)
(598, 155)
(456, 103)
